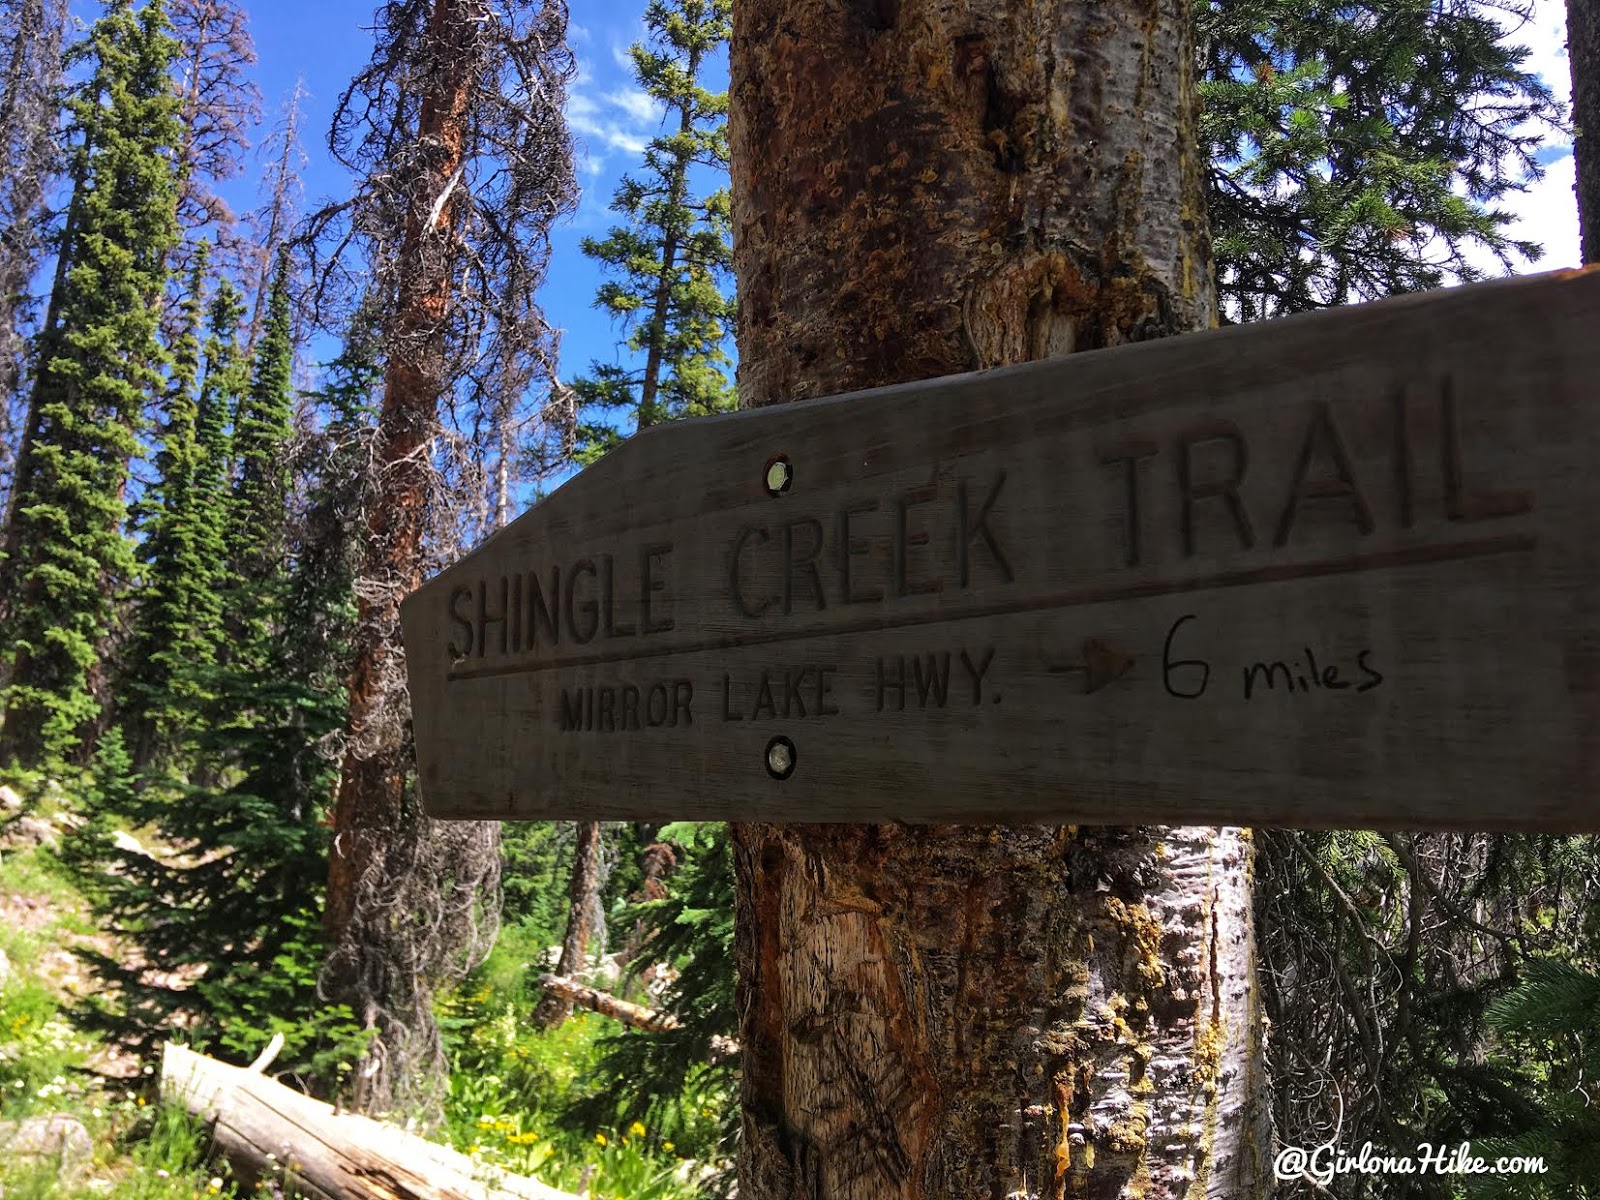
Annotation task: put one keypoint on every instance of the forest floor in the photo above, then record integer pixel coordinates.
(79, 1115)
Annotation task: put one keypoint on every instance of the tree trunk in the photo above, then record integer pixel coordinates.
(636, 1015)
(269, 1132)
(387, 856)
(372, 786)
(512, 378)
(583, 902)
(921, 189)
(1583, 56)
(651, 383)
(504, 448)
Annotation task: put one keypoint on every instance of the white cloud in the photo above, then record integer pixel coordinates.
(579, 106)
(1548, 211)
(620, 120)
(579, 33)
(1545, 35)
(608, 134)
(638, 104)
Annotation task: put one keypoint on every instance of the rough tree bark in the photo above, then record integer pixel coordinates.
(372, 785)
(1583, 56)
(582, 904)
(923, 187)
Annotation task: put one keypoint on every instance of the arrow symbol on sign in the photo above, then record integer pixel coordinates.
(1100, 665)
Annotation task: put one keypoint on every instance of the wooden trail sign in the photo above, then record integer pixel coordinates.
(1340, 569)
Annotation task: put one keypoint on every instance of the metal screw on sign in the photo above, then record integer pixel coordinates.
(779, 475)
(780, 758)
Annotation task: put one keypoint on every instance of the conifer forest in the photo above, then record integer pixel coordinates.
(272, 359)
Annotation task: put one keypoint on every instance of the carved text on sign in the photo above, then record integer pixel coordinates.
(1337, 569)
(893, 553)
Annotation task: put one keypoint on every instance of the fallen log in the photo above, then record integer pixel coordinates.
(270, 1132)
(637, 1015)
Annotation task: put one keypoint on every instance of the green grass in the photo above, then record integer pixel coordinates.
(514, 1089)
(142, 1151)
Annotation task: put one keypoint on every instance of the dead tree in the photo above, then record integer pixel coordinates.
(583, 904)
(33, 32)
(455, 130)
(220, 105)
(272, 223)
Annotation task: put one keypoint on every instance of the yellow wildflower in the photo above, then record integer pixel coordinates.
(637, 1129)
(599, 1139)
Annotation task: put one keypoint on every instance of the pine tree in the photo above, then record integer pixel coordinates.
(674, 252)
(667, 1079)
(261, 434)
(1552, 1016)
(99, 361)
(1358, 150)
(178, 609)
(248, 910)
(255, 921)
(219, 397)
(321, 608)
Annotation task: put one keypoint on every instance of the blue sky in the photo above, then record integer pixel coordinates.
(611, 119)
(324, 42)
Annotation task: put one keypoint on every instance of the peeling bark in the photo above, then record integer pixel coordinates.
(922, 188)
(372, 786)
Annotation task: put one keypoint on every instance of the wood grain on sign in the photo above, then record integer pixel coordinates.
(1334, 570)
